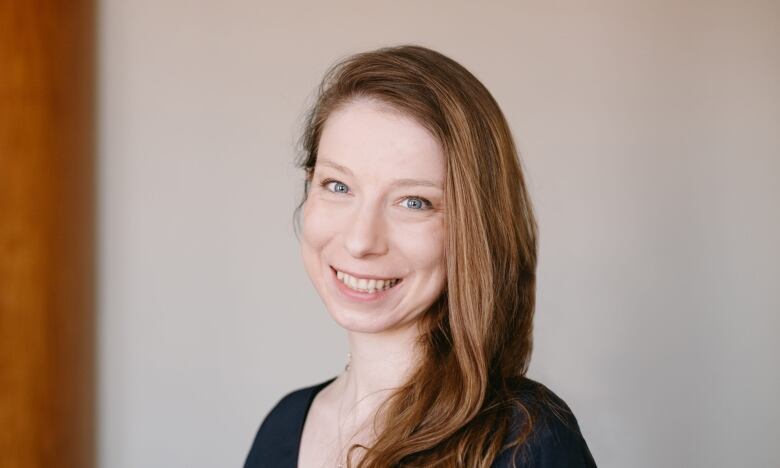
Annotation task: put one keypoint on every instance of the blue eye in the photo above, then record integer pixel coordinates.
(417, 203)
(338, 187)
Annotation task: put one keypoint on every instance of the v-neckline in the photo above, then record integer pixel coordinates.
(314, 391)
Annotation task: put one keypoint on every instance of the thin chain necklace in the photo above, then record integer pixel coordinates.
(340, 463)
(340, 424)
(338, 419)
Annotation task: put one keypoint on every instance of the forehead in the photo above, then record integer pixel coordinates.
(369, 138)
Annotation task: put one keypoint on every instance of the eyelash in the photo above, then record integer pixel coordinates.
(427, 204)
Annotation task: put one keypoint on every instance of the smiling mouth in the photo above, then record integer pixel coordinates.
(365, 285)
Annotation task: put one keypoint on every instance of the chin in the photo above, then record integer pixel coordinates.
(364, 321)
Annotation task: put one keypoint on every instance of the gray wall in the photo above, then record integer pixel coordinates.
(649, 132)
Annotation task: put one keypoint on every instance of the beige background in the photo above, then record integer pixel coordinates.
(649, 132)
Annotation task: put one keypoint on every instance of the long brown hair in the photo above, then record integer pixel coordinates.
(457, 407)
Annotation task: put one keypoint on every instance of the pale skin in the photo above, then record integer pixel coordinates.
(375, 208)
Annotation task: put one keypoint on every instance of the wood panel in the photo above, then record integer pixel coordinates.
(46, 234)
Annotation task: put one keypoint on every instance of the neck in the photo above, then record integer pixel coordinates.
(379, 363)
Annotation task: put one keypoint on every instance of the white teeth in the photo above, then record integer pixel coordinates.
(364, 285)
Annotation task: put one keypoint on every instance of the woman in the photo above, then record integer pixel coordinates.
(419, 236)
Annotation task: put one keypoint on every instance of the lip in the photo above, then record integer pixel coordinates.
(358, 296)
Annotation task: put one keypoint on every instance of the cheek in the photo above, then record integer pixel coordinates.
(318, 226)
(316, 232)
(424, 245)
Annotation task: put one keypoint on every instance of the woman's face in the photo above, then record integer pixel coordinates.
(373, 222)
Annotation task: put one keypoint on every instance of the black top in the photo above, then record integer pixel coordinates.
(555, 443)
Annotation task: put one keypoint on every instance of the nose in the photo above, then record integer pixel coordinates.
(365, 233)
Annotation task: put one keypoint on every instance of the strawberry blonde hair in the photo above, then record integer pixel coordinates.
(458, 407)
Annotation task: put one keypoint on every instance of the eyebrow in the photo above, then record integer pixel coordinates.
(405, 182)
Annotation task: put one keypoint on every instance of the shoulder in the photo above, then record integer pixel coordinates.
(555, 439)
(291, 407)
(277, 438)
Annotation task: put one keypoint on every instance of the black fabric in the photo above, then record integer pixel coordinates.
(556, 441)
